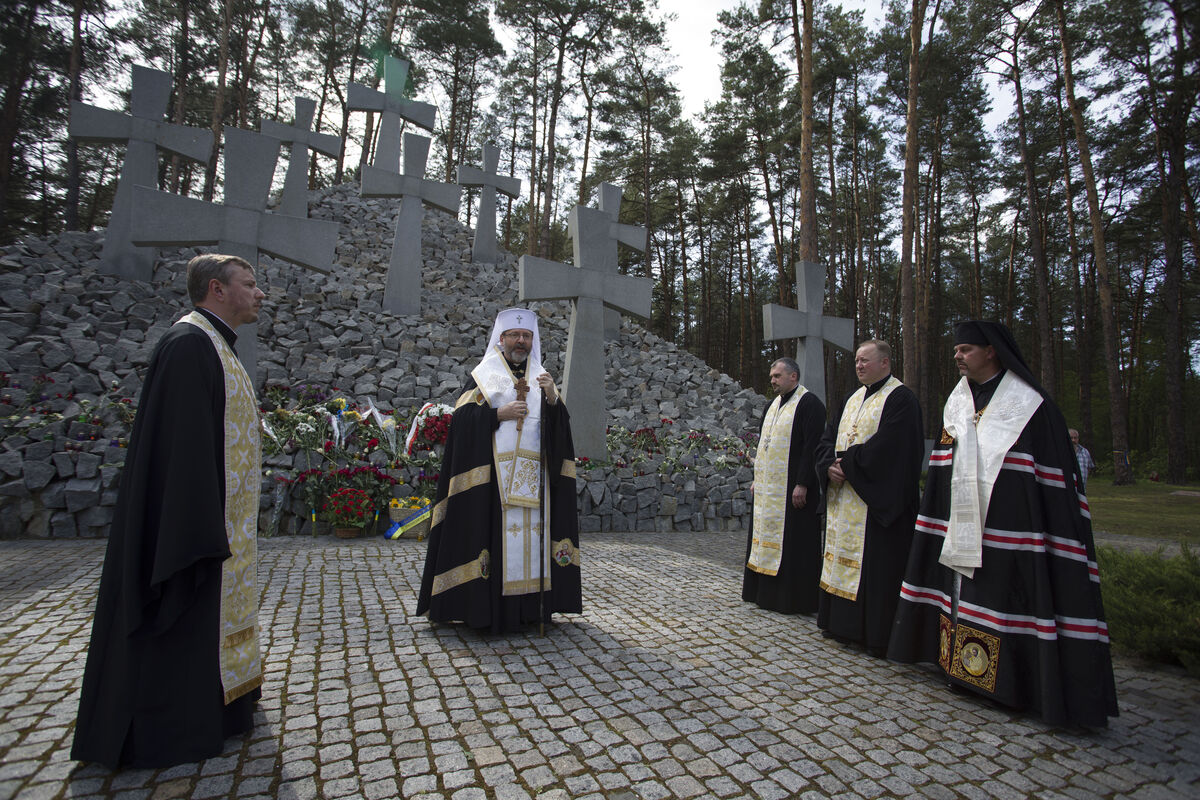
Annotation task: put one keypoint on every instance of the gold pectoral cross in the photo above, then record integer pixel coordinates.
(522, 393)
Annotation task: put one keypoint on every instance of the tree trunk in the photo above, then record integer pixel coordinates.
(1083, 354)
(1122, 473)
(181, 83)
(1041, 271)
(74, 92)
(808, 197)
(908, 201)
(218, 112)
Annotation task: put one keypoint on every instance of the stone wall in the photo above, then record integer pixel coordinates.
(74, 343)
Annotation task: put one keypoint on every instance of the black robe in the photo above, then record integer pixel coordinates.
(793, 590)
(472, 523)
(152, 694)
(885, 471)
(1030, 630)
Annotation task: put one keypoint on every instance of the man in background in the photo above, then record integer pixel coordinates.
(783, 552)
(1002, 589)
(871, 455)
(173, 666)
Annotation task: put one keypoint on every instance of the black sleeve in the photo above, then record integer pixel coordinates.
(807, 427)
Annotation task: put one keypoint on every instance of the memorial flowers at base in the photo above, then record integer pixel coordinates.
(348, 508)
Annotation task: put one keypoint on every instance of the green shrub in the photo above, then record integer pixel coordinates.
(1152, 602)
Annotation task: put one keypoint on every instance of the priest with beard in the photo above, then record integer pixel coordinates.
(503, 546)
(1001, 590)
(871, 456)
(173, 665)
(783, 551)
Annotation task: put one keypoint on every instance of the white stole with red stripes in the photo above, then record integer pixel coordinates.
(980, 446)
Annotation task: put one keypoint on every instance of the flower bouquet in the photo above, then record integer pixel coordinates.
(348, 511)
(412, 514)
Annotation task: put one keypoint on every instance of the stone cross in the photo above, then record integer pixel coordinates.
(294, 201)
(809, 326)
(392, 106)
(403, 293)
(242, 226)
(142, 133)
(483, 250)
(591, 287)
(632, 235)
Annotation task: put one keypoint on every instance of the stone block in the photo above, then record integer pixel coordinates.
(738, 507)
(668, 506)
(646, 498)
(16, 488)
(11, 463)
(39, 451)
(62, 525)
(82, 493)
(64, 465)
(590, 523)
(597, 490)
(95, 516)
(620, 522)
(627, 504)
(37, 473)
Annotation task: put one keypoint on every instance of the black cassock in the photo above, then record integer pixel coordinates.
(152, 694)
(885, 471)
(471, 524)
(1030, 629)
(793, 590)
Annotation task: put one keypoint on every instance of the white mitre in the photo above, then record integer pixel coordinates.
(522, 318)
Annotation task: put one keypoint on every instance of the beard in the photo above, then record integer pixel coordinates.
(517, 355)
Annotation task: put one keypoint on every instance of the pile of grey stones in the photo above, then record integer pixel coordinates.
(73, 340)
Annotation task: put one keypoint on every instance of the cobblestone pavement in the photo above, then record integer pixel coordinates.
(667, 686)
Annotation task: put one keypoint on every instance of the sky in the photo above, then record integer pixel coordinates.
(690, 38)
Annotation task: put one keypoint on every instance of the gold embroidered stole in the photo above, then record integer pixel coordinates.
(771, 491)
(979, 450)
(517, 455)
(241, 668)
(846, 521)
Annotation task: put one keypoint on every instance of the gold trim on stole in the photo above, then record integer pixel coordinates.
(772, 494)
(846, 515)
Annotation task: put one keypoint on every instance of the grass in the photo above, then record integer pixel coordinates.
(1146, 509)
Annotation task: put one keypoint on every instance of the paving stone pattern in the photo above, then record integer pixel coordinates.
(667, 686)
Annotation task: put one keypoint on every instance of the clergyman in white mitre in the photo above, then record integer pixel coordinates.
(510, 431)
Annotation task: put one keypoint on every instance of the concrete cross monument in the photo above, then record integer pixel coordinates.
(809, 326)
(142, 133)
(592, 288)
(392, 106)
(632, 235)
(242, 226)
(403, 292)
(294, 201)
(483, 249)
